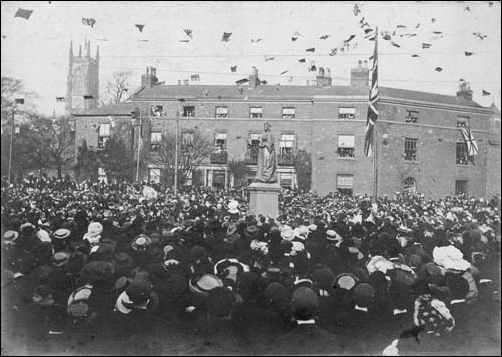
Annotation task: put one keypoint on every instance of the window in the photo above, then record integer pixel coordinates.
(410, 185)
(346, 144)
(288, 113)
(346, 113)
(462, 121)
(286, 145)
(410, 149)
(462, 157)
(155, 138)
(345, 184)
(286, 179)
(154, 175)
(189, 111)
(255, 112)
(221, 112)
(101, 175)
(103, 135)
(461, 187)
(157, 110)
(412, 117)
(186, 140)
(219, 156)
(252, 148)
(219, 178)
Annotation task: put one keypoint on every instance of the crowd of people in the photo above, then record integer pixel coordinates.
(99, 256)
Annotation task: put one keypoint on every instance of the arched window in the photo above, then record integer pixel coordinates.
(321, 71)
(410, 185)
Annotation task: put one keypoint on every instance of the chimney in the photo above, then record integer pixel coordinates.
(323, 77)
(149, 79)
(254, 80)
(464, 90)
(186, 82)
(359, 77)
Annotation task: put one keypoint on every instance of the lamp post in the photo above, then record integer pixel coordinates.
(139, 145)
(16, 101)
(176, 154)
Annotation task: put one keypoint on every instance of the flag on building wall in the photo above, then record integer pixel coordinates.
(472, 146)
(372, 110)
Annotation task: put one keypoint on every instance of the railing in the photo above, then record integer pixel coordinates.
(219, 157)
(285, 159)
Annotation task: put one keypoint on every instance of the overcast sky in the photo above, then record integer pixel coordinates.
(36, 50)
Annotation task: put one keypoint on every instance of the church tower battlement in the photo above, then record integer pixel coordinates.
(82, 93)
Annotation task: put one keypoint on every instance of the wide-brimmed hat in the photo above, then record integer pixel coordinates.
(61, 233)
(363, 294)
(288, 234)
(312, 227)
(61, 258)
(94, 229)
(26, 225)
(379, 263)
(305, 303)
(356, 253)
(346, 281)
(451, 258)
(251, 231)
(332, 235)
(202, 285)
(10, 236)
(141, 242)
(233, 207)
(297, 246)
(43, 236)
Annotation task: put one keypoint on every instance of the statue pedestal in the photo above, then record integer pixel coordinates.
(264, 199)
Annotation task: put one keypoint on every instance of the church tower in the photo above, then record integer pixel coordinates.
(82, 93)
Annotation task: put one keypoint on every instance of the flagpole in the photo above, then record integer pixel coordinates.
(139, 144)
(375, 138)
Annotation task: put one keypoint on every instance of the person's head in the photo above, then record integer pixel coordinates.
(267, 126)
(305, 303)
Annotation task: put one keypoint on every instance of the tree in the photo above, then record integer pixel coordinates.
(239, 170)
(194, 147)
(303, 167)
(87, 164)
(116, 89)
(11, 89)
(55, 139)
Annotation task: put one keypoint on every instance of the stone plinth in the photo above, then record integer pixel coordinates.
(264, 199)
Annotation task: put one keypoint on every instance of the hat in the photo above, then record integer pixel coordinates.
(356, 252)
(324, 278)
(43, 236)
(168, 248)
(61, 258)
(379, 263)
(122, 260)
(61, 233)
(26, 225)
(10, 236)
(251, 231)
(233, 207)
(332, 235)
(346, 281)
(141, 242)
(171, 262)
(139, 290)
(305, 303)
(363, 294)
(97, 271)
(94, 229)
(450, 257)
(297, 246)
(202, 285)
(288, 235)
(312, 227)
(277, 295)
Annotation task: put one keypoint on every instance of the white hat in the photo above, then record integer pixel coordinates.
(297, 246)
(288, 234)
(312, 227)
(233, 207)
(332, 235)
(94, 229)
(450, 257)
(43, 236)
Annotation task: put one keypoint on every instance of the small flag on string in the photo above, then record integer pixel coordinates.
(269, 58)
(426, 45)
(333, 51)
(401, 26)
(438, 69)
(433, 20)
(301, 60)
(417, 26)
(284, 72)
(88, 97)
(357, 10)
(312, 49)
(295, 36)
(350, 38)
(188, 32)
(415, 55)
(368, 31)
(485, 92)
(394, 44)
(60, 99)
(140, 27)
(242, 81)
(226, 36)
(468, 53)
(256, 40)
(19, 100)
(23, 13)
(88, 21)
(312, 67)
(233, 68)
(323, 37)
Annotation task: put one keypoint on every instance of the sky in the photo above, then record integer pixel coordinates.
(36, 50)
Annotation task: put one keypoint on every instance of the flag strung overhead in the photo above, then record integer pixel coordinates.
(472, 146)
(372, 110)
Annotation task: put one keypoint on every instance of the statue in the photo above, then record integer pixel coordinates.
(267, 165)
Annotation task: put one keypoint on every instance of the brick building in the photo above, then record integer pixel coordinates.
(419, 145)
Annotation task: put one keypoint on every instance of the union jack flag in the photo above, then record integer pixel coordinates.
(472, 146)
(372, 110)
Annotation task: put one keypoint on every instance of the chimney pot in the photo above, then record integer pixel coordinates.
(360, 64)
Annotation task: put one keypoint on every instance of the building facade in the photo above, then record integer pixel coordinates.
(82, 89)
(419, 146)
